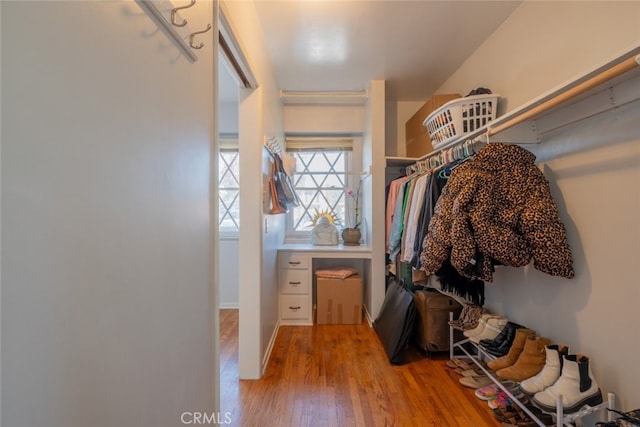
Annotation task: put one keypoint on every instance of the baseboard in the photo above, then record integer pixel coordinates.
(368, 316)
(267, 354)
(229, 305)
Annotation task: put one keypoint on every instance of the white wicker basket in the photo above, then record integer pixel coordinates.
(460, 116)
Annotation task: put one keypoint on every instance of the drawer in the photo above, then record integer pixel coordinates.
(294, 282)
(293, 260)
(293, 307)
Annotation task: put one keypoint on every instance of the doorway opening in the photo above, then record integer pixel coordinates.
(234, 75)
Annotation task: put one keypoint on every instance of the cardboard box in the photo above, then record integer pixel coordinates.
(417, 136)
(339, 301)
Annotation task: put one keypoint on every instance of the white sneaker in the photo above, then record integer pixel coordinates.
(491, 330)
(481, 324)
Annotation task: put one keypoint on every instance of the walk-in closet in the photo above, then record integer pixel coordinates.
(456, 246)
(605, 97)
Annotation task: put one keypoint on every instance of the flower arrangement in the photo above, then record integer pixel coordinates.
(355, 195)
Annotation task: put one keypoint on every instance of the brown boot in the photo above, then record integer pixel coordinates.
(514, 351)
(530, 362)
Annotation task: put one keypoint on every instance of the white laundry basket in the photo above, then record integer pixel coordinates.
(460, 116)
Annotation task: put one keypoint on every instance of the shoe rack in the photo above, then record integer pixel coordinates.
(481, 354)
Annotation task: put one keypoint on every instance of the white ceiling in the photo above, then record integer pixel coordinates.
(338, 45)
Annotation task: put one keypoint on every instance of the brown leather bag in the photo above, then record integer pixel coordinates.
(276, 208)
(432, 325)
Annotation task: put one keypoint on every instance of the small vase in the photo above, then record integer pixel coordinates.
(351, 236)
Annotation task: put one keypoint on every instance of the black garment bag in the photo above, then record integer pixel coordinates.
(396, 321)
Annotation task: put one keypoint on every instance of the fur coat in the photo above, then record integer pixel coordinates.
(497, 209)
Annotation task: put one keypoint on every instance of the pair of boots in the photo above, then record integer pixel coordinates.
(548, 371)
(525, 358)
(500, 345)
(566, 375)
(489, 326)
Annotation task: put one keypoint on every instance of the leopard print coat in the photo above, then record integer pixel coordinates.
(497, 209)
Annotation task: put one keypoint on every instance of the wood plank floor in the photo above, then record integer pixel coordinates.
(339, 375)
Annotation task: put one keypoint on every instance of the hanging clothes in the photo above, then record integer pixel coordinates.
(414, 212)
(434, 188)
(411, 201)
(450, 280)
(396, 191)
(497, 209)
(397, 225)
(392, 198)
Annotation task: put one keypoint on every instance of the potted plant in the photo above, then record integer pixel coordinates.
(351, 235)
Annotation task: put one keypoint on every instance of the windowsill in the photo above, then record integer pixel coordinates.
(228, 236)
(365, 251)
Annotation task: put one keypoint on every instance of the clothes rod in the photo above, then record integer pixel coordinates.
(440, 152)
(606, 75)
(169, 27)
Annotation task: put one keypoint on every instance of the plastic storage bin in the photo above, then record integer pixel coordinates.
(460, 116)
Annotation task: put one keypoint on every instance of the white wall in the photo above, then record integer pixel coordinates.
(106, 295)
(228, 118)
(0, 220)
(323, 119)
(229, 262)
(373, 211)
(260, 234)
(540, 46)
(396, 143)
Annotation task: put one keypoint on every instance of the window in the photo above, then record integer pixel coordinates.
(320, 180)
(229, 190)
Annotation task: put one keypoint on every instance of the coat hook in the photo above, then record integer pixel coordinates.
(175, 10)
(198, 32)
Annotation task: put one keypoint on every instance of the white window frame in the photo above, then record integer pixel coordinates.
(352, 178)
(229, 144)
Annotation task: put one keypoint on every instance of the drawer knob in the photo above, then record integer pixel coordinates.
(295, 308)
(294, 283)
(294, 262)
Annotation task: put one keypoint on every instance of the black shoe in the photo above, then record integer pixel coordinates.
(495, 352)
(503, 341)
